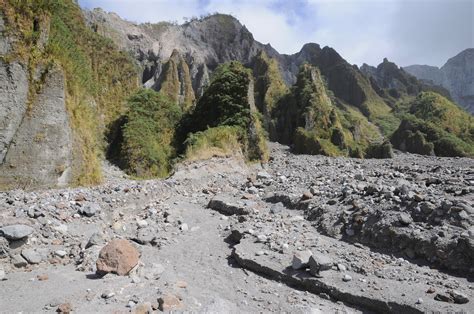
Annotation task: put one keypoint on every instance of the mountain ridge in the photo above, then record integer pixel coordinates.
(456, 75)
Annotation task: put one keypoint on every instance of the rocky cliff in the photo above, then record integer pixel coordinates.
(205, 43)
(61, 86)
(456, 75)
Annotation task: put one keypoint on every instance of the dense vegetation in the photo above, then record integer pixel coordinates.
(148, 132)
(433, 125)
(229, 101)
(99, 77)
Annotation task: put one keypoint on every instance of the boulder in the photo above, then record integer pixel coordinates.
(319, 262)
(16, 232)
(301, 259)
(228, 205)
(170, 302)
(118, 256)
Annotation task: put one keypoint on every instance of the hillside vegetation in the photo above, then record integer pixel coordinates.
(433, 125)
(99, 77)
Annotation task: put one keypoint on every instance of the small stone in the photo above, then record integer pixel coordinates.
(263, 175)
(184, 227)
(307, 196)
(107, 294)
(142, 223)
(16, 232)
(181, 284)
(143, 308)
(18, 261)
(443, 298)
(252, 190)
(430, 290)
(459, 297)
(154, 272)
(170, 302)
(64, 308)
(42, 277)
(419, 301)
(346, 278)
(61, 228)
(60, 253)
(260, 253)
(261, 238)
(31, 256)
(405, 219)
(118, 256)
(2, 274)
(341, 267)
(319, 262)
(89, 209)
(301, 259)
(95, 239)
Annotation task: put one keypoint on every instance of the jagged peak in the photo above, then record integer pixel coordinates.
(311, 47)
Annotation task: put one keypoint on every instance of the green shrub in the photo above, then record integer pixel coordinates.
(226, 102)
(148, 134)
(222, 141)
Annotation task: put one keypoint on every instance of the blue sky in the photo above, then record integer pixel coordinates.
(405, 31)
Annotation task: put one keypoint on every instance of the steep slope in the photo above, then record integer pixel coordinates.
(315, 122)
(393, 84)
(226, 114)
(207, 42)
(435, 126)
(63, 85)
(456, 75)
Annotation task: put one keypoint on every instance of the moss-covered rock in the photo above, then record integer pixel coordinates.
(175, 81)
(316, 122)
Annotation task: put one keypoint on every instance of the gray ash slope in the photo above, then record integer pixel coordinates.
(221, 235)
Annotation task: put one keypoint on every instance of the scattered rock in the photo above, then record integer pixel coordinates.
(143, 308)
(32, 256)
(107, 294)
(319, 262)
(118, 256)
(405, 219)
(228, 205)
(459, 297)
(89, 209)
(16, 232)
(60, 253)
(301, 259)
(18, 261)
(170, 302)
(42, 277)
(64, 308)
(346, 278)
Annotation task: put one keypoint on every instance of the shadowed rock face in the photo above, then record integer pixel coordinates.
(457, 75)
(14, 93)
(39, 144)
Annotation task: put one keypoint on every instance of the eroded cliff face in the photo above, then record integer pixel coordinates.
(35, 135)
(203, 44)
(14, 94)
(40, 147)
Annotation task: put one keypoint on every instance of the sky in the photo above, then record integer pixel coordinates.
(362, 31)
